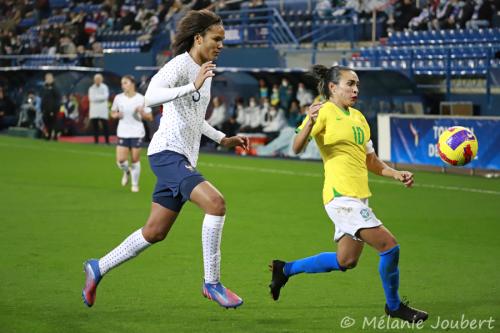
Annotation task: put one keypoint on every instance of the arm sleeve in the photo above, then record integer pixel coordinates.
(162, 87)
(369, 147)
(212, 133)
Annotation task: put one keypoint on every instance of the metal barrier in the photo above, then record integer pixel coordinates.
(36, 60)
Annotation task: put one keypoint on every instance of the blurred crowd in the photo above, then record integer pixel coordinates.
(36, 27)
(276, 107)
(422, 15)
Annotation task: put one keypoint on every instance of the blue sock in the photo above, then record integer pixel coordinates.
(389, 273)
(320, 263)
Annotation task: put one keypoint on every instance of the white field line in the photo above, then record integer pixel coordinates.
(310, 174)
(260, 170)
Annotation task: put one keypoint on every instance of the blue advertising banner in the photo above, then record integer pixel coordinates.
(414, 140)
(233, 36)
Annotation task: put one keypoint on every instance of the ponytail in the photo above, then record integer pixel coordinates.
(326, 75)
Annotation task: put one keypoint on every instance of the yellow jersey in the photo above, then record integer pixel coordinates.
(341, 137)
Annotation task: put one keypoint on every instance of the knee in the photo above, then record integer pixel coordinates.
(217, 206)
(387, 244)
(153, 234)
(348, 262)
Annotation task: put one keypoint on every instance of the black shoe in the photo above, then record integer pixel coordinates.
(407, 313)
(279, 279)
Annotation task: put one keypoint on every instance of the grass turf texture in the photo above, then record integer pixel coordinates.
(63, 203)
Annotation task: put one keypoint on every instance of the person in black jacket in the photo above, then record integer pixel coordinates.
(7, 110)
(51, 101)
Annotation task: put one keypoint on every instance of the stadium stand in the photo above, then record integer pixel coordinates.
(461, 52)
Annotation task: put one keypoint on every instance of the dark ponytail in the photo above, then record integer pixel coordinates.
(326, 75)
(195, 22)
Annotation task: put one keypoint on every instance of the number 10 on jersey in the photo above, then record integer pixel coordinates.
(359, 135)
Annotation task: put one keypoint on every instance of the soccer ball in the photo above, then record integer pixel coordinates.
(457, 146)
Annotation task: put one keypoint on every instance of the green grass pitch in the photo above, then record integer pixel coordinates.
(63, 203)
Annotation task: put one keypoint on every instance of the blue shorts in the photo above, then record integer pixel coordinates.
(130, 142)
(176, 179)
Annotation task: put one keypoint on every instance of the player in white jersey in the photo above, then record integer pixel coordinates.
(129, 108)
(183, 87)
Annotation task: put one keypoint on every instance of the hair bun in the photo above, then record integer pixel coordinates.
(319, 72)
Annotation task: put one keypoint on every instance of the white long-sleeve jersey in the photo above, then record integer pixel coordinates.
(183, 121)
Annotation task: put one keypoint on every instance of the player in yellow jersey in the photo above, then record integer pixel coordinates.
(343, 139)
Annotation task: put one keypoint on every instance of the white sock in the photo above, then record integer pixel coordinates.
(211, 235)
(129, 248)
(135, 171)
(123, 165)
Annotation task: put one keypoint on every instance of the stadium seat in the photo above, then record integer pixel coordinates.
(59, 3)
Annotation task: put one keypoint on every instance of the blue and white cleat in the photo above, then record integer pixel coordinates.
(92, 279)
(220, 294)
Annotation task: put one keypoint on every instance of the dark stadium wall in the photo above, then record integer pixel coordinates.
(125, 63)
(250, 57)
(481, 107)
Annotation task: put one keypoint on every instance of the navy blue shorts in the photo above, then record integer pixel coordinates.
(176, 179)
(130, 142)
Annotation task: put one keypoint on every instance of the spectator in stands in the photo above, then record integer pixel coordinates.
(219, 114)
(149, 26)
(466, 12)
(66, 46)
(83, 56)
(264, 105)
(483, 15)
(294, 115)
(404, 11)
(447, 15)
(98, 108)
(51, 101)
(275, 95)
(285, 95)
(323, 8)
(127, 22)
(303, 95)
(250, 118)
(263, 89)
(7, 110)
(273, 121)
(424, 20)
(363, 8)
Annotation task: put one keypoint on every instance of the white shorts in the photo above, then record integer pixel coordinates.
(349, 215)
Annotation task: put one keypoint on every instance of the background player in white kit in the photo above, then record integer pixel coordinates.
(183, 87)
(130, 109)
